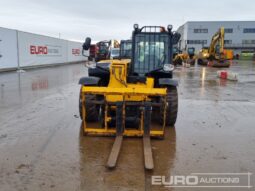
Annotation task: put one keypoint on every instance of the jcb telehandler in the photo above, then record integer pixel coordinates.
(125, 49)
(132, 98)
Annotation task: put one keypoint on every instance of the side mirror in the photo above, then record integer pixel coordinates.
(86, 44)
(176, 37)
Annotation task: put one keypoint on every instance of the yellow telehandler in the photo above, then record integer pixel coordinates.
(136, 97)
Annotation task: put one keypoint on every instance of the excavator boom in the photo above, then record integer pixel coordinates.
(215, 55)
(218, 38)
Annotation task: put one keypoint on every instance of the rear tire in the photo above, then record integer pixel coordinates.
(92, 111)
(172, 106)
(199, 61)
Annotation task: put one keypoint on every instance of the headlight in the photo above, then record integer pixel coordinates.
(206, 55)
(168, 67)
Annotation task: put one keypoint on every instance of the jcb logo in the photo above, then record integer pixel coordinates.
(38, 49)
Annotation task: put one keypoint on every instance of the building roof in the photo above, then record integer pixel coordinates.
(217, 21)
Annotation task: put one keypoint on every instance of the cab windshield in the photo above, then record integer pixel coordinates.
(151, 52)
(126, 49)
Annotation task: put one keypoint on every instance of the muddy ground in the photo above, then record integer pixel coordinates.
(41, 147)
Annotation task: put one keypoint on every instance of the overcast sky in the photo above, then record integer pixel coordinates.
(113, 19)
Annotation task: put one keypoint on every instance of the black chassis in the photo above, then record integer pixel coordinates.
(100, 76)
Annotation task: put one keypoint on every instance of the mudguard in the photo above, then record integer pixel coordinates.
(88, 81)
(167, 82)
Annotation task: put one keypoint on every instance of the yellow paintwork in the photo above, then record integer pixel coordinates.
(131, 91)
(181, 56)
(218, 38)
(184, 57)
(128, 133)
(203, 54)
(119, 90)
(229, 54)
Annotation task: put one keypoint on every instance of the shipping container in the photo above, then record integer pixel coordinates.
(8, 49)
(22, 49)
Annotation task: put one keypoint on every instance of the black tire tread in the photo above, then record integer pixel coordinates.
(91, 109)
(172, 108)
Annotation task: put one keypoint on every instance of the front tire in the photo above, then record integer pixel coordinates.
(171, 108)
(92, 111)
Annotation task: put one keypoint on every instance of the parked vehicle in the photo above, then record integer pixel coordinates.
(121, 99)
(102, 50)
(215, 55)
(115, 53)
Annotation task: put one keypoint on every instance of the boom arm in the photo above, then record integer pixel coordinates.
(218, 37)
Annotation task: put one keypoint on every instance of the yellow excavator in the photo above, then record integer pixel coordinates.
(215, 55)
(134, 97)
(180, 57)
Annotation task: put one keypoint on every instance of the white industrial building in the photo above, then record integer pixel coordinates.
(239, 35)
